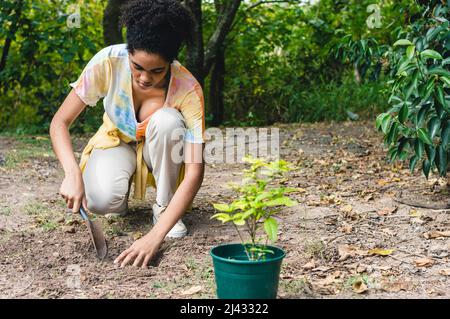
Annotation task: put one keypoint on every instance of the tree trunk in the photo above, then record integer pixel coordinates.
(195, 51)
(356, 73)
(228, 14)
(216, 88)
(12, 31)
(112, 31)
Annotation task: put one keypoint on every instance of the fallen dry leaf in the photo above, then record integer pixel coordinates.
(387, 211)
(424, 262)
(436, 234)
(346, 251)
(361, 268)
(382, 182)
(359, 287)
(347, 208)
(69, 229)
(137, 235)
(332, 199)
(417, 221)
(192, 290)
(347, 229)
(396, 285)
(326, 286)
(383, 268)
(309, 265)
(444, 272)
(381, 251)
(389, 231)
(322, 268)
(414, 213)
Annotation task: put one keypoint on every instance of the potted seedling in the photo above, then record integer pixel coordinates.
(250, 269)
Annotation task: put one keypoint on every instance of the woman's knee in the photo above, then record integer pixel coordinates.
(107, 200)
(107, 179)
(167, 122)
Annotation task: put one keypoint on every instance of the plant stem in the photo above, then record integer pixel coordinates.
(242, 240)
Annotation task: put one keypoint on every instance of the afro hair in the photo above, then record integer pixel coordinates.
(157, 26)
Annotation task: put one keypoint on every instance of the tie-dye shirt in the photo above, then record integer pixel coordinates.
(108, 76)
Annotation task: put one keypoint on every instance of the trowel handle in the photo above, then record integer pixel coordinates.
(83, 213)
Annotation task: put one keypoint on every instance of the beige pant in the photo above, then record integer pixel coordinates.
(107, 176)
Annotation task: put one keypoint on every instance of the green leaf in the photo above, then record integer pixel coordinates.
(264, 195)
(281, 201)
(392, 153)
(421, 115)
(222, 217)
(430, 54)
(382, 121)
(392, 135)
(412, 163)
(403, 114)
(292, 189)
(439, 110)
(439, 94)
(410, 51)
(223, 208)
(402, 42)
(248, 213)
(401, 143)
(238, 204)
(405, 66)
(393, 98)
(433, 126)
(418, 148)
(446, 80)
(402, 156)
(423, 135)
(441, 160)
(439, 71)
(431, 152)
(426, 166)
(432, 32)
(428, 89)
(412, 85)
(445, 134)
(271, 228)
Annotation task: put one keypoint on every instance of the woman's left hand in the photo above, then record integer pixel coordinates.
(140, 252)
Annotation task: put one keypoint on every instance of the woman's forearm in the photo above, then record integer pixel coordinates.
(59, 132)
(62, 146)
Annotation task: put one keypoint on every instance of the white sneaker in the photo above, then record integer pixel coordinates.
(177, 231)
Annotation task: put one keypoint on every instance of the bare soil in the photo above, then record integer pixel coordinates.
(348, 238)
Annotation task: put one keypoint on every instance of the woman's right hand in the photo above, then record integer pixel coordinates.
(72, 190)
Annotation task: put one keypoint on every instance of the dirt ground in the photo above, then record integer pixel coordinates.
(348, 238)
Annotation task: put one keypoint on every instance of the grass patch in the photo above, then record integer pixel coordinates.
(315, 249)
(330, 101)
(42, 214)
(294, 287)
(5, 211)
(27, 147)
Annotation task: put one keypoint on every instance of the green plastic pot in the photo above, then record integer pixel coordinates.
(239, 278)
